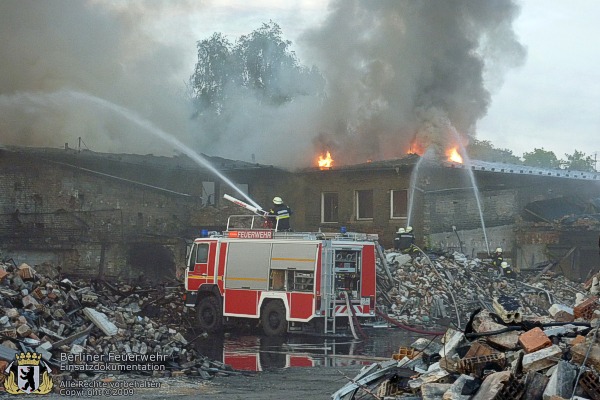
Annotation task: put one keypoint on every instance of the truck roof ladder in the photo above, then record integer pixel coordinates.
(328, 276)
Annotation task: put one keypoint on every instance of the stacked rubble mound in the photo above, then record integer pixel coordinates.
(425, 290)
(525, 340)
(495, 360)
(63, 321)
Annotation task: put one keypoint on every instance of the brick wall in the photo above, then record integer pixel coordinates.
(75, 203)
(64, 212)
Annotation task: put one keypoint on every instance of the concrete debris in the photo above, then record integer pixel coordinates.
(430, 289)
(43, 312)
(482, 370)
(516, 340)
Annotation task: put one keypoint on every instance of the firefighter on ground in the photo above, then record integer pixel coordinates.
(282, 214)
(497, 258)
(507, 271)
(404, 240)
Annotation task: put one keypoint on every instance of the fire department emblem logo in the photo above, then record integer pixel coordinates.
(28, 374)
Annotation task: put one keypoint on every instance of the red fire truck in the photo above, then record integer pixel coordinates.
(285, 281)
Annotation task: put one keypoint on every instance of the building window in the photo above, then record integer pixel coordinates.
(329, 207)
(398, 204)
(208, 193)
(364, 204)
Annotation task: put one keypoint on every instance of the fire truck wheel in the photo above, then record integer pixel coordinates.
(210, 317)
(273, 318)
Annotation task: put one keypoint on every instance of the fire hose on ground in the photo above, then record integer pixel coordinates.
(352, 319)
(406, 327)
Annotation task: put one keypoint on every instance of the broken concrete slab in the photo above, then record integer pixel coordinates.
(579, 352)
(562, 381)
(455, 391)
(434, 391)
(484, 323)
(7, 353)
(428, 377)
(101, 321)
(492, 385)
(542, 359)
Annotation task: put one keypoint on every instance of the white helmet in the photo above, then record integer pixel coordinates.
(277, 200)
(499, 250)
(504, 264)
(409, 229)
(401, 230)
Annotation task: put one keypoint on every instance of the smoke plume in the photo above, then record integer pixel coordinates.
(394, 70)
(400, 69)
(108, 49)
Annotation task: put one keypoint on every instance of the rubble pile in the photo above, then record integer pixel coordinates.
(495, 358)
(535, 338)
(426, 290)
(88, 323)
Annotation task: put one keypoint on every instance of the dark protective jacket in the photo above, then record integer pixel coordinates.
(282, 215)
(497, 259)
(508, 272)
(404, 241)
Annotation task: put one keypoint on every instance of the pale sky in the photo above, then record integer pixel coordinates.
(553, 101)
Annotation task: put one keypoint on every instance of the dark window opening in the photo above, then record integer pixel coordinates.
(364, 204)
(329, 207)
(399, 203)
(151, 262)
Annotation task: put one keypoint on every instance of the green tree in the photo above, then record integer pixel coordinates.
(260, 65)
(541, 158)
(264, 57)
(578, 161)
(484, 150)
(214, 71)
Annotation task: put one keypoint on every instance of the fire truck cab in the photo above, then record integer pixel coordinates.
(286, 281)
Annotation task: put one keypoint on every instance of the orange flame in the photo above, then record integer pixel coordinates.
(453, 155)
(326, 162)
(416, 148)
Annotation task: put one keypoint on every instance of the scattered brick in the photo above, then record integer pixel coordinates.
(405, 352)
(477, 365)
(590, 382)
(534, 340)
(586, 308)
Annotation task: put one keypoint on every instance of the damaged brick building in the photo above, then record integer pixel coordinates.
(111, 214)
(447, 215)
(124, 215)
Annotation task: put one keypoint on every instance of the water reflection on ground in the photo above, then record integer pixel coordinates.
(253, 352)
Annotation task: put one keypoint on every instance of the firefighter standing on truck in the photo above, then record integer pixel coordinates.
(282, 214)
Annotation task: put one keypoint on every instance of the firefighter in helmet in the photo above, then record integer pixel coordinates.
(507, 271)
(282, 214)
(404, 240)
(497, 257)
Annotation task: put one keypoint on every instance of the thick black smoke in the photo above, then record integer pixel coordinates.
(394, 69)
(397, 69)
